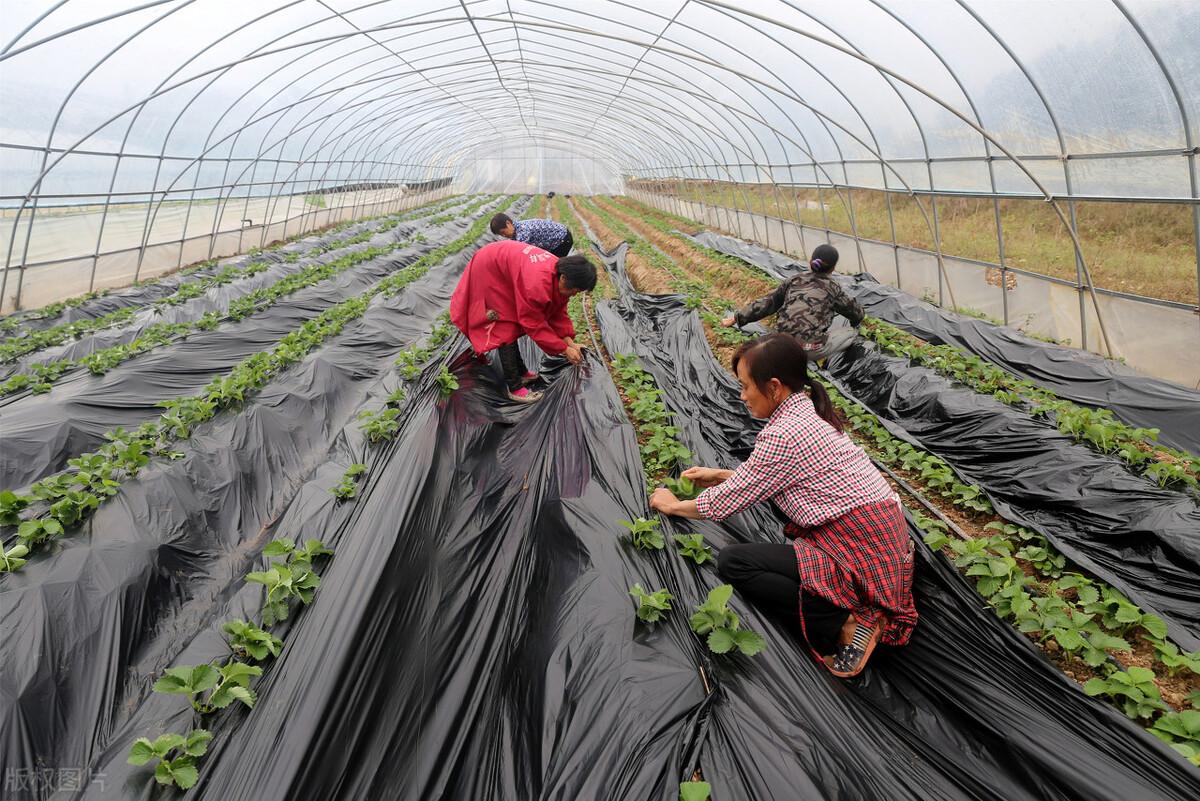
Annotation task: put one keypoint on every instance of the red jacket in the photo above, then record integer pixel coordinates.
(517, 281)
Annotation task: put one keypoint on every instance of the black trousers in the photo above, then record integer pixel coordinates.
(766, 575)
(512, 364)
(564, 249)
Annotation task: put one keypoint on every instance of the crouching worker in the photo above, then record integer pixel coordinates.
(510, 289)
(806, 304)
(546, 234)
(846, 579)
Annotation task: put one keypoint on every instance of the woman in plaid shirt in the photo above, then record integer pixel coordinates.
(846, 578)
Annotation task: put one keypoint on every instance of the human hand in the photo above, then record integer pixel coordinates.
(663, 500)
(573, 354)
(729, 321)
(704, 476)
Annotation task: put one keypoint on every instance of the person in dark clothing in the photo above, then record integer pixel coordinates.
(806, 304)
(548, 235)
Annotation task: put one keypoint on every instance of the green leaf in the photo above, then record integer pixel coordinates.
(197, 742)
(184, 772)
(1140, 675)
(1088, 594)
(1128, 613)
(749, 643)
(721, 641)
(278, 548)
(1095, 687)
(1155, 625)
(719, 596)
(694, 791)
(141, 752)
(163, 774)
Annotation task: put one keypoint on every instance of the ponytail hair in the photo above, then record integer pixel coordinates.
(781, 356)
(824, 259)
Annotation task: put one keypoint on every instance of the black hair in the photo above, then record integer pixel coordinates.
(579, 272)
(824, 259)
(781, 356)
(499, 223)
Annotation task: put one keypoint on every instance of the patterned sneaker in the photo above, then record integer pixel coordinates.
(523, 395)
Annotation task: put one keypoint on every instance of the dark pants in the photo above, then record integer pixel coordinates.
(766, 575)
(564, 249)
(512, 364)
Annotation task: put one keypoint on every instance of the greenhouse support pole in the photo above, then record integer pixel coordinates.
(1000, 250)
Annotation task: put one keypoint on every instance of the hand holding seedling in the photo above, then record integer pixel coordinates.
(706, 476)
(729, 321)
(663, 500)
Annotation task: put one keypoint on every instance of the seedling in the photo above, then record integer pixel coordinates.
(691, 546)
(380, 425)
(722, 625)
(1182, 731)
(38, 530)
(682, 488)
(178, 770)
(246, 639)
(228, 683)
(284, 582)
(446, 382)
(347, 488)
(1133, 690)
(651, 605)
(694, 791)
(644, 533)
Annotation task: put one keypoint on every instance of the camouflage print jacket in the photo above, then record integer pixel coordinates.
(806, 304)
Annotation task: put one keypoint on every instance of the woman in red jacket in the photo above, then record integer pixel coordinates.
(510, 289)
(846, 578)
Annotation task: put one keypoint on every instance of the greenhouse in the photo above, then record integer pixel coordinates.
(507, 399)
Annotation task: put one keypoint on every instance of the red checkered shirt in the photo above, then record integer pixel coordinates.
(851, 541)
(812, 472)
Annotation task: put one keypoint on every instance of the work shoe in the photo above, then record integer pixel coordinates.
(523, 395)
(854, 647)
(530, 377)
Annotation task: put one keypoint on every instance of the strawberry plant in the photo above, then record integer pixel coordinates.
(644, 534)
(1180, 730)
(225, 684)
(694, 791)
(306, 553)
(1133, 690)
(380, 425)
(722, 625)
(651, 605)
(248, 640)
(1173, 659)
(691, 546)
(446, 382)
(283, 582)
(347, 488)
(177, 756)
(38, 530)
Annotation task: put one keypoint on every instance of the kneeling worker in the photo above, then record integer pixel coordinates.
(511, 289)
(546, 234)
